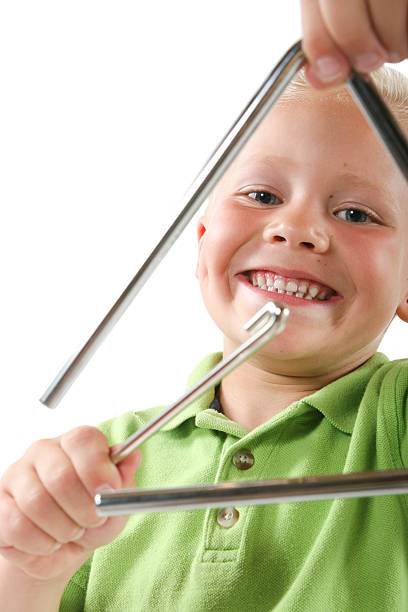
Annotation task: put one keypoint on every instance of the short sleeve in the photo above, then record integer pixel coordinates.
(73, 598)
(401, 403)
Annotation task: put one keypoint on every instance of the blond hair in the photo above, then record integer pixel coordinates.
(391, 84)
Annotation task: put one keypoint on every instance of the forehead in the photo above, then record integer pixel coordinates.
(315, 135)
(319, 127)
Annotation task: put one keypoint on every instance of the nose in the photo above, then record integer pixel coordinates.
(297, 233)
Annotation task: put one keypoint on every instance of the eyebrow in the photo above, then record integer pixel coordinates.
(359, 181)
(270, 160)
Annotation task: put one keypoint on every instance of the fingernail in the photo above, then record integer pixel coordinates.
(56, 547)
(329, 68)
(103, 489)
(78, 535)
(368, 61)
(394, 58)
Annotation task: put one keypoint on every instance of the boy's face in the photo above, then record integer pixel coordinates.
(312, 204)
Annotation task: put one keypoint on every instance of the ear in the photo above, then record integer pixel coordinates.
(402, 310)
(201, 229)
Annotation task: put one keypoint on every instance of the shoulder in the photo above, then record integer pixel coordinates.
(386, 389)
(387, 399)
(389, 379)
(121, 427)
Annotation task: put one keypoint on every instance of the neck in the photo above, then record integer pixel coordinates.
(252, 394)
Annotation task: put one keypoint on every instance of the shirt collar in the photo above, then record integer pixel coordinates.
(338, 401)
(200, 404)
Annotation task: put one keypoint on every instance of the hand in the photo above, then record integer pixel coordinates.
(48, 522)
(338, 34)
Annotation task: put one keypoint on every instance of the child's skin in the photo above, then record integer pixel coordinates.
(48, 523)
(319, 169)
(320, 161)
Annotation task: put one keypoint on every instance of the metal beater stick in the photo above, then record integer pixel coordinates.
(267, 323)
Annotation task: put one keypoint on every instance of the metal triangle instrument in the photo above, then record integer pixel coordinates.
(299, 489)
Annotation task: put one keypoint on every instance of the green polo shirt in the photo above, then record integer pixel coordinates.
(331, 555)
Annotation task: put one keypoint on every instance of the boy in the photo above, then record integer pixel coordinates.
(314, 214)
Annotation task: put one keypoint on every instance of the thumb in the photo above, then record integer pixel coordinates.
(128, 466)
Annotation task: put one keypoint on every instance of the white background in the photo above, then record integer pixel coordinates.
(108, 110)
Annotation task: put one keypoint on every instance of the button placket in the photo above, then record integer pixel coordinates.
(243, 459)
(225, 528)
(221, 544)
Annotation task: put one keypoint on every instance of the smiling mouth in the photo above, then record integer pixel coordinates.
(301, 288)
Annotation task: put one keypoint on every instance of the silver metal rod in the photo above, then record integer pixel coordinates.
(267, 323)
(360, 484)
(205, 182)
(381, 119)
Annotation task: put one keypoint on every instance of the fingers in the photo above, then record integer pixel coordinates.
(350, 26)
(94, 467)
(62, 562)
(128, 467)
(362, 33)
(389, 20)
(47, 498)
(88, 451)
(18, 531)
(327, 63)
(46, 508)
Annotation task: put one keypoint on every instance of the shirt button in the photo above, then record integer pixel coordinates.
(243, 459)
(228, 517)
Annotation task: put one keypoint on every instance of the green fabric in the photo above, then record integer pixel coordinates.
(332, 555)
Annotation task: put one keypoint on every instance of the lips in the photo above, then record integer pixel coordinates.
(288, 285)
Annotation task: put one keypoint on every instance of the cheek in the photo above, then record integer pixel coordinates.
(228, 230)
(375, 262)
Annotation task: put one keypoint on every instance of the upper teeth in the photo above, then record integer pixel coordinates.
(301, 288)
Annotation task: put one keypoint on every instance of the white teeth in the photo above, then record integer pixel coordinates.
(291, 286)
(279, 283)
(313, 291)
(268, 281)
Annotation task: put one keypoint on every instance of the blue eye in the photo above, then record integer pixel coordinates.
(354, 215)
(264, 197)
